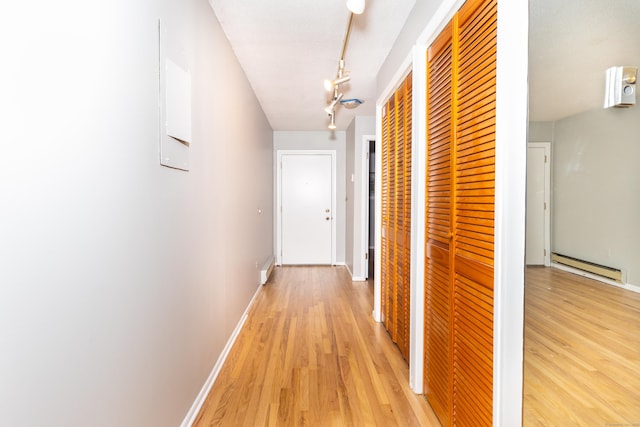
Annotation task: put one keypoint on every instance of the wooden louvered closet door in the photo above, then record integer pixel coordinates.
(396, 215)
(466, 263)
(437, 364)
(389, 227)
(384, 215)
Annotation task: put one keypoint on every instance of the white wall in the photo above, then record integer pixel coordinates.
(420, 15)
(121, 280)
(540, 132)
(321, 140)
(596, 188)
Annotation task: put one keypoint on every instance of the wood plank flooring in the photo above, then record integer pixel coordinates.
(582, 352)
(310, 354)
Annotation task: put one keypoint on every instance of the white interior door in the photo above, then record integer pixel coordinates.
(306, 200)
(537, 250)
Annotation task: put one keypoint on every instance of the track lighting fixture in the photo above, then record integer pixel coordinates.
(331, 107)
(356, 6)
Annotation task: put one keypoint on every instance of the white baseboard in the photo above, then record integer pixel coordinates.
(348, 270)
(353, 278)
(627, 286)
(206, 388)
(266, 270)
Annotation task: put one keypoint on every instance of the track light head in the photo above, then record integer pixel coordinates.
(330, 84)
(356, 6)
(332, 122)
(329, 109)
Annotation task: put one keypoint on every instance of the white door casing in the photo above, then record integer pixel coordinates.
(537, 243)
(306, 205)
(364, 211)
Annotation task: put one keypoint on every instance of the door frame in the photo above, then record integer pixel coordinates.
(278, 207)
(364, 203)
(547, 198)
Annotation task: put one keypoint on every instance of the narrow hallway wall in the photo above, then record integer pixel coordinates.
(121, 280)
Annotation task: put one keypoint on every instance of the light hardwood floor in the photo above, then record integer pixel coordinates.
(582, 352)
(310, 354)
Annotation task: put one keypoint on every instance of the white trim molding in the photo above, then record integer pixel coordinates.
(363, 252)
(628, 286)
(511, 164)
(190, 418)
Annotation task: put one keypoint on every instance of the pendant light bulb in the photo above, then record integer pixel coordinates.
(356, 6)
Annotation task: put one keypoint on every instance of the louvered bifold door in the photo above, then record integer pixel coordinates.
(437, 343)
(474, 215)
(405, 230)
(399, 223)
(396, 215)
(461, 80)
(384, 214)
(391, 312)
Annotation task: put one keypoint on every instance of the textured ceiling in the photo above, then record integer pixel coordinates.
(571, 44)
(288, 47)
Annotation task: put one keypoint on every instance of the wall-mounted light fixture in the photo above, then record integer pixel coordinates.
(620, 87)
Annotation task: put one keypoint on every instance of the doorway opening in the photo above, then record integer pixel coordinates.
(372, 207)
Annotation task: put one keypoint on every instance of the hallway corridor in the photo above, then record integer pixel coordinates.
(310, 354)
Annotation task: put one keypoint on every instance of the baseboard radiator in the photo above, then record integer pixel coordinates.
(267, 268)
(589, 267)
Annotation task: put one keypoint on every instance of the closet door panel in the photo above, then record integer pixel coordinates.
(437, 342)
(396, 215)
(384, 199)
(406, 262)
(474, 215)
(400, 284)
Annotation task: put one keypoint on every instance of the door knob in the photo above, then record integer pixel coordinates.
(327, 218)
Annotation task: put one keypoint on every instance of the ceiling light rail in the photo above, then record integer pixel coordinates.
(355, 7)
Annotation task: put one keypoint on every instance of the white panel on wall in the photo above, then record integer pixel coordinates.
(175, 102)
(178, 102)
